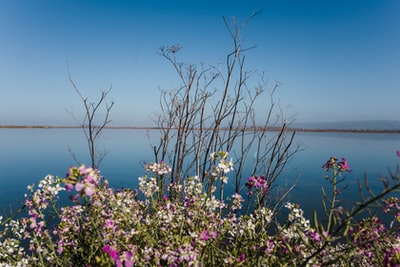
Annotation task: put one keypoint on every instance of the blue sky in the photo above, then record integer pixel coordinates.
(335, 60)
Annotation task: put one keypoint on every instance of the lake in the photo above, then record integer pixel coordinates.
(27, 155)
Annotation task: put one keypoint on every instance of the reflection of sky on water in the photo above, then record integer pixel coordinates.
(367, 154)
(27, 155)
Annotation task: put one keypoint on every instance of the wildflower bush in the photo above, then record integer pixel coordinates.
(189, 224)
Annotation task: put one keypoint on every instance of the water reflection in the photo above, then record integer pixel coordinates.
(27, 155)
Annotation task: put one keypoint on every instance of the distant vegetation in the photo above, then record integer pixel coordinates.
(373, 125)
(378, 126)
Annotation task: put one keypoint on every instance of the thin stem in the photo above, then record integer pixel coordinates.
(333, 200)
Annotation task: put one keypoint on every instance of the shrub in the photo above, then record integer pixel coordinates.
(186, 226)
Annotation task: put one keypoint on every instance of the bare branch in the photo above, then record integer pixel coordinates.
(92, 127)
(196, 120)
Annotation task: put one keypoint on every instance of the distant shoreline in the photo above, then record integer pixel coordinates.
(316, 130)
(72, 127)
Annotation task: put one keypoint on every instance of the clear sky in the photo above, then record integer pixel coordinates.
(336, 59)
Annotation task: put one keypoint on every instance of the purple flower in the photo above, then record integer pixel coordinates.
(332, 164)
(329, 164)
(204, 235)
(128, 259)
(391, 257)
(114, 254)
(398, 153)
(250, 182)
(344, 166)
(257, 182)
(89, 190)
(109, 224)
(316, 236)
(69, 187)
(325, 234)
(269, 246)
(106, 248)
(214, 235)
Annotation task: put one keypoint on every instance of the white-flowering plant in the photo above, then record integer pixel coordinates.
(183, 224)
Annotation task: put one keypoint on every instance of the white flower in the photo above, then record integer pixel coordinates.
(224, 179)
(148, 187)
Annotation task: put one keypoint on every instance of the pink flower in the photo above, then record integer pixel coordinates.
(114, 254)
(69, 187)
(329, 164)
(109, 224)
(79, 187)
(214, 235)
(89, 190)
(315, 235)
(204, 235)
(128, 259)
(257, 182)
(343, 166)
(106, 248)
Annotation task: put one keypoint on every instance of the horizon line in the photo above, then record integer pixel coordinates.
(291, 129)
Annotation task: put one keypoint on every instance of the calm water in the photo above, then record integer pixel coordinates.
(27, 155)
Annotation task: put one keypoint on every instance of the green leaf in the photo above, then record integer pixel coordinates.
(315, 220)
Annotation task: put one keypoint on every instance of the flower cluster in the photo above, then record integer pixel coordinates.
(256, 182)
(115, 227)
(296, 216)
(84, 179)
(392, 257)
(223, 166)
(391, 205)
(237, 201)
(10, 244)
(333, 164)
(368, 232)
(148, 185)
(50, 185)
(158, 168)
(37, 202)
